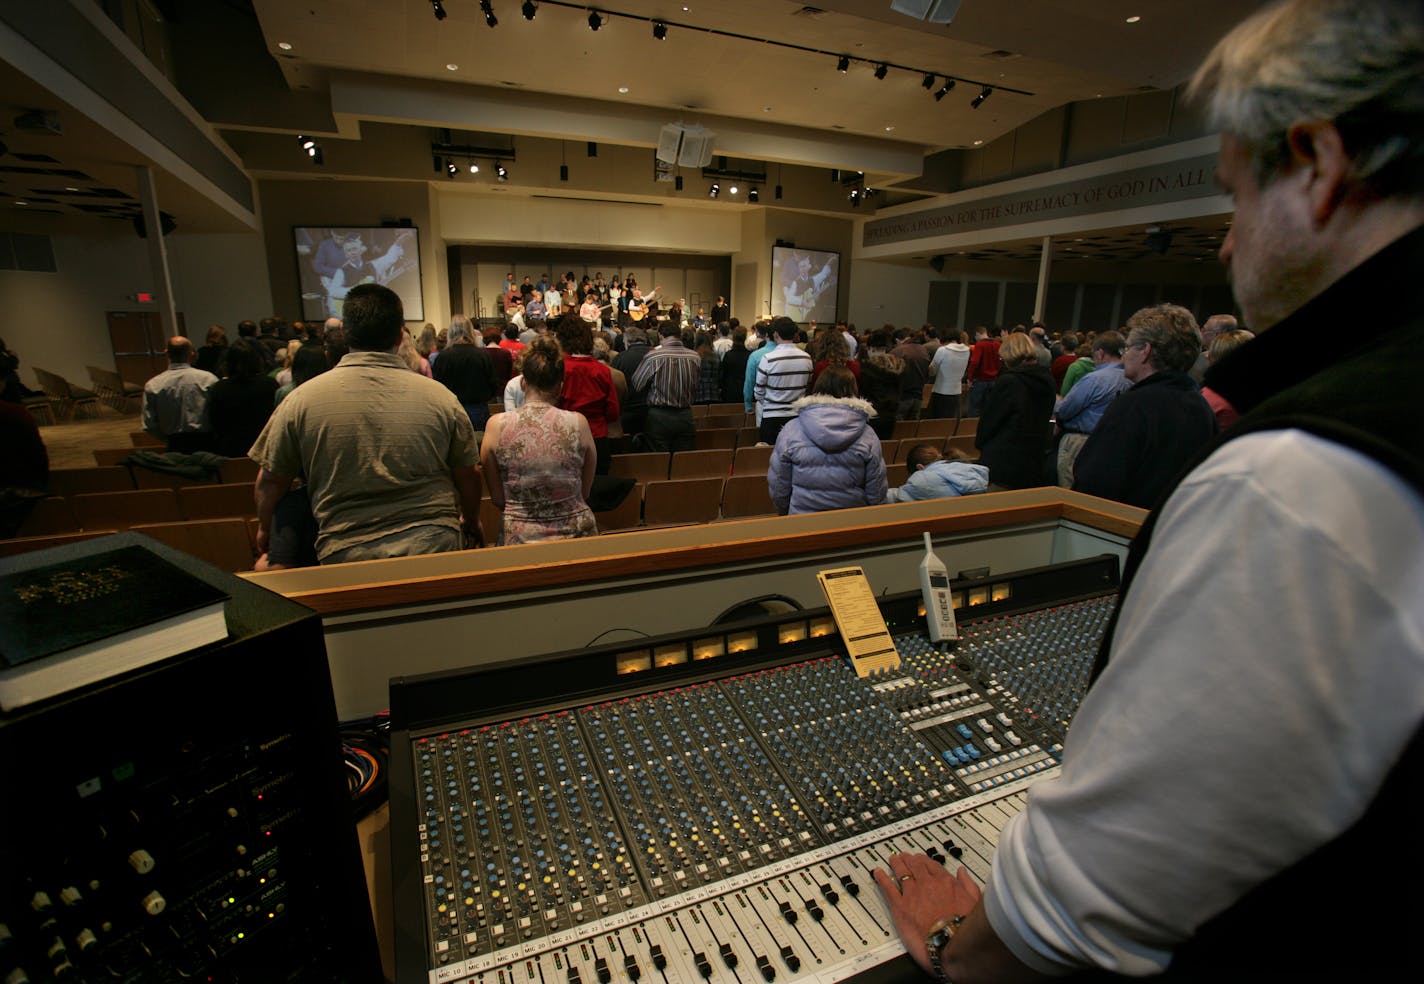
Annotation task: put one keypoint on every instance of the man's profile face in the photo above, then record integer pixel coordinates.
(1267, 250)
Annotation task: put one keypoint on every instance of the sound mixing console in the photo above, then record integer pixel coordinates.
(710, 806)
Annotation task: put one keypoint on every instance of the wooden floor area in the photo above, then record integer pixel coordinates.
(71, 444)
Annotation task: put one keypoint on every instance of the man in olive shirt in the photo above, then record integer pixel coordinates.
(388, 455)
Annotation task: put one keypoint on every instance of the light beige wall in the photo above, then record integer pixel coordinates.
(219, 279)
(471, 217)
(889, 293)
(752, 263)
(57, 320)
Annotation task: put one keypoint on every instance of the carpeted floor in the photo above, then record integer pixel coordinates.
(71, 444)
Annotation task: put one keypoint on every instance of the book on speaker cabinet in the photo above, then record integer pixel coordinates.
(87, 618)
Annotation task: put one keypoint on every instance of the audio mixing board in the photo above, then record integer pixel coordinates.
(710, 806)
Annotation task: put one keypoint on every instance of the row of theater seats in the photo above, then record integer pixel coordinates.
(217, 522)
(748, 435)
(651, 466)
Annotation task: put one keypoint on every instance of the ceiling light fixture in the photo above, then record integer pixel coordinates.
(563, 172)
(659, 30)
(1134, 19)
(945, 89)
(776, 193)
(928, 81)
(529, 9)
(474, 168)
(732, 190)
(317, 157)
(307, 142)
(452, 67)
(677, 183)
(714, 191)
(978, 100)
(285, 45)
(592, 149)
(753, 195)
(488, 11)
(881, 70)
(450, 168)
(843, 64)
(501, 172)
(595, 20)
(439, 9)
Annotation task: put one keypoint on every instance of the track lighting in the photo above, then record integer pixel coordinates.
(592, 149)
(732, 190)
(843, 65)
(978, 100)
(881, 69)
(312, 148)
(563, 172)
(777, 193)
(714, 191)
(595, 20)
(474, 168)
(439, 9)
(529, 9)
(659, 30)
(928, 81)
(450, 168)
(753, 195)
(501, 173)
(488, 11)
(945, 89)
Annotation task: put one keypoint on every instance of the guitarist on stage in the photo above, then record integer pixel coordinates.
(638, 304)
(801, 288)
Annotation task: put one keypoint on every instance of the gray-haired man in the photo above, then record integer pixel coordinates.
(1248, 763)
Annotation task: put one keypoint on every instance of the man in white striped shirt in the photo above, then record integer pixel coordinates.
(783, 376)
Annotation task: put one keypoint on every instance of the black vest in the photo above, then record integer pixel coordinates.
(1350, 370)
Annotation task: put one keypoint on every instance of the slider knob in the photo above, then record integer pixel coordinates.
(153, 903)
(141, 861)
(86, 939)
(17, 976)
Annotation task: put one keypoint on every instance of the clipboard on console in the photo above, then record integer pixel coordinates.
(867, 639)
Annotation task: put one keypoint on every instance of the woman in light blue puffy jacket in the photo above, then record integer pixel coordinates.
(828, 457)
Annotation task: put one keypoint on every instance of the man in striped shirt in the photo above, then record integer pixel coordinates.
(669, 374)
(783, 376)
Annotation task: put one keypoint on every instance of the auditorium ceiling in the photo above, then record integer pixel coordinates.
(764, 70)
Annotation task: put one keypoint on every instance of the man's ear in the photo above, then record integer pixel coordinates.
(1317, 147)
